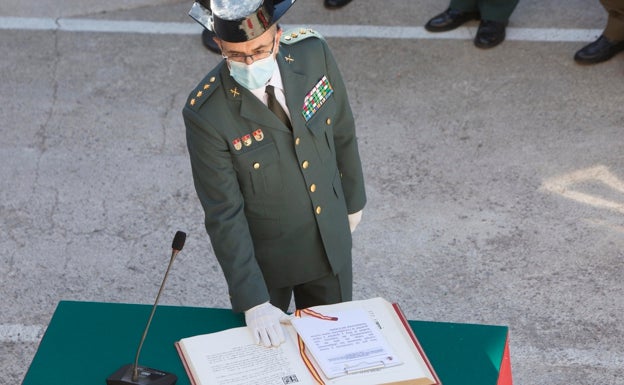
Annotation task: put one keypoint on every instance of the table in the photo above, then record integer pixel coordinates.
(86, 342)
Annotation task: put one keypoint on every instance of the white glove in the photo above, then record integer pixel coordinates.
(264, 322)
(354, 220)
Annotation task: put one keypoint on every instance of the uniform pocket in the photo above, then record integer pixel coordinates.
(337, 184)
(322, 119)
(259, 171)
(321, 125)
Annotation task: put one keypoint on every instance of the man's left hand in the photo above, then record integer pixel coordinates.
(354, 220)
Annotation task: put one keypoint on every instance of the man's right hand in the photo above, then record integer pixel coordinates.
(264, 322)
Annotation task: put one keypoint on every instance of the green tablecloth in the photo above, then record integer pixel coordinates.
(86, 342)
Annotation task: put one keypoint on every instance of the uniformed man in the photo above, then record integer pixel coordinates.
(494, 15)
(208, 35)
(611, 42)
(275, 162)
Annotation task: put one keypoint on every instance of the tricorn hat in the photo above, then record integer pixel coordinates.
(237, 21)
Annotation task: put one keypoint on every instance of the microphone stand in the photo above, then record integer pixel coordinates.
(129, 374)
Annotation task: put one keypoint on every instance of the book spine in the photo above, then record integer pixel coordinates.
(411, 334)
(185, 364)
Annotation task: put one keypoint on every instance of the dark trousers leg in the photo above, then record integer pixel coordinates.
(497, 10)
(281, 297)
(327, 290)
(465, 5)
(615, 23)
(323, 291)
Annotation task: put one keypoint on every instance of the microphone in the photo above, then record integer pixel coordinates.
(133, 374)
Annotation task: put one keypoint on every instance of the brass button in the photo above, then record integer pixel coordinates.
(305, 164)
(192, 102)
(206, 86)
(318, 210)
(297, 141)
(312, 187)
(328, 121)
(256, 165)
(199, 94)
(212, 79)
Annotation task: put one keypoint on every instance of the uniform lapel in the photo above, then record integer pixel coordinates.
(294, 88)
(249, 106)
(254, 110)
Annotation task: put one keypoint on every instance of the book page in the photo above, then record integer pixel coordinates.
(231, 357)
(413, 371)
(349, 344)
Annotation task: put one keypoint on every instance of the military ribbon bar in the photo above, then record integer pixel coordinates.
(316, 97)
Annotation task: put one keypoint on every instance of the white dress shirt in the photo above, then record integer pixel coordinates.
(276, 82)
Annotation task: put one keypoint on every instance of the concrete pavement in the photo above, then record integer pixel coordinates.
(495, 178)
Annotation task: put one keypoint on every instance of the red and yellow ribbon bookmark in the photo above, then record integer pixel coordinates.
(304, 356)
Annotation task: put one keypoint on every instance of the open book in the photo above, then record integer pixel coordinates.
(365, 342)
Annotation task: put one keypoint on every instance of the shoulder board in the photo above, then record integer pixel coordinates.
(297, 34)
(203, 90)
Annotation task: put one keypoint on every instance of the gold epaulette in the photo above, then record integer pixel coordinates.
(201, 93)
(297, 34)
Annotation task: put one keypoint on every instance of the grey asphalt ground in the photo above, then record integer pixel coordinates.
(495, 178)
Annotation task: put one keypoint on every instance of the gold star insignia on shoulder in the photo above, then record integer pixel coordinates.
(289, 58)
(235, 92)
(293, 37)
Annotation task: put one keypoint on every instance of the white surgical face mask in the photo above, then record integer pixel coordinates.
(254, 75)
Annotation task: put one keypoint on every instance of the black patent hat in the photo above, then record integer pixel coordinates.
(224, 17)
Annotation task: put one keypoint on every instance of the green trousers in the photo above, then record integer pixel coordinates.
(495, 10)
(323, 291)
(615, 23)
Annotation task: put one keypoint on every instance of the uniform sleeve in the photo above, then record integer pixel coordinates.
(219, 193)
(347, 154)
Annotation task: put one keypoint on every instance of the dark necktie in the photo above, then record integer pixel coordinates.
(276, 108)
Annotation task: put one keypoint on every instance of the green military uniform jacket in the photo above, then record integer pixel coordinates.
(275, 201)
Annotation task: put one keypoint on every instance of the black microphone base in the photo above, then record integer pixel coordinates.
(147, 376)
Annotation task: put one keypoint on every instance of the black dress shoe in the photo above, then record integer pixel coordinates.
(490, 33)
(449, 19)
(208, 41)
(601, 50)
(333, 4)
